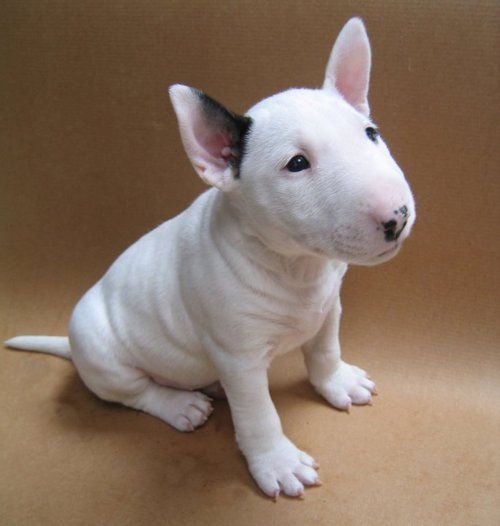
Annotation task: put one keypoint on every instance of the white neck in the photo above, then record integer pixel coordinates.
(270, 250)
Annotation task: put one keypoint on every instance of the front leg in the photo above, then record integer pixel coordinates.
(274, 462)
(339, 383)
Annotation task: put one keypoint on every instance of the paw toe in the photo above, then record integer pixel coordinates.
(182, 423)
(306, 475)
(367, 384)
(340, 399)
(195, 416)
(360, 395)
(291, 485)
(308, 460)
(204, 406)
(268, 484)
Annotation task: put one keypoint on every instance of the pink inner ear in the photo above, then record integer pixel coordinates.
(214, 145)
(352, 79)
(348, 69)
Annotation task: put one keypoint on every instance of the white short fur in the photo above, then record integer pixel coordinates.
(252, 269)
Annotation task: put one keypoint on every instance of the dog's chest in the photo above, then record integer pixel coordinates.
(303, 326)
(289, 325)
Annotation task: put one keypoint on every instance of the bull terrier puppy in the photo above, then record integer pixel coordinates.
(302, 186)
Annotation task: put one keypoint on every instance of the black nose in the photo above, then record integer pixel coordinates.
(394, 227)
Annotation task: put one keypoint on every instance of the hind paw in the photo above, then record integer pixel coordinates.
(189, 411)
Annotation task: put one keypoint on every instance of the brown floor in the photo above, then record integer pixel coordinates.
(91, 159)
(426, 452)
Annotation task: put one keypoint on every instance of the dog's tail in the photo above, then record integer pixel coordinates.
(58, 345)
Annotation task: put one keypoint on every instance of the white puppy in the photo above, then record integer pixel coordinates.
(303, 185)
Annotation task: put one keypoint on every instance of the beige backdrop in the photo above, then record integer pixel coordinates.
(91, 159)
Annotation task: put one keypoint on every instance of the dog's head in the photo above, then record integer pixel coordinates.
(306, 169)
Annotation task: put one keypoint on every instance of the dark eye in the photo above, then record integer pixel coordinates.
(372, 133)
(297, 164)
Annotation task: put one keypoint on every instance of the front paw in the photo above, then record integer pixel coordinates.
(283, 468)
(346, 386)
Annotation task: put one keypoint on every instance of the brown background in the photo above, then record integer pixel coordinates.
(91, 159)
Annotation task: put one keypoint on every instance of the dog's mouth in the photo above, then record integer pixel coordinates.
(385, 252)
(359, 255)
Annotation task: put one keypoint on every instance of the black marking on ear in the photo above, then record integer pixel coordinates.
(236, 126)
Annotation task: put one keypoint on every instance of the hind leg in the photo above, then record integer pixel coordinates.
(96, 355)
(184, 410)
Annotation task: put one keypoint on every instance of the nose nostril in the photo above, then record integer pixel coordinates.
(391, 232)
(390, 225)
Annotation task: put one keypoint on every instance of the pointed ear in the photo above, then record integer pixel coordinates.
(348, 70)
(213, 137)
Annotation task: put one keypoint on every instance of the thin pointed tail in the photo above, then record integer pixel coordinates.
(58, 345)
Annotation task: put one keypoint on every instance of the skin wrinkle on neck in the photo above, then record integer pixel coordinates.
(306, 274)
